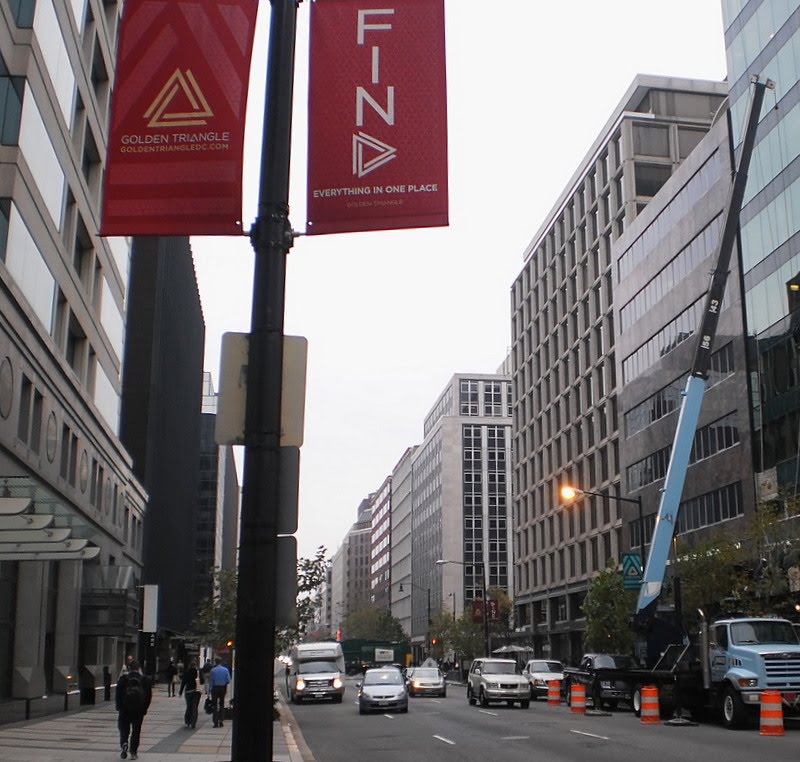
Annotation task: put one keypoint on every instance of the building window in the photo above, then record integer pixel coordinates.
(22, 11)
(650, 178)
(11, 92)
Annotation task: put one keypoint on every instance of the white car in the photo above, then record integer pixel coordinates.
(540, 672)
(497, 680)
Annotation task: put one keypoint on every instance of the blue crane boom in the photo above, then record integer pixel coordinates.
(667, 516)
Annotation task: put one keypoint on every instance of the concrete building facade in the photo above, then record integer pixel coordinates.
(381, 541)
(566, 360)
(461, 499)
(400, 558)
(68, 612)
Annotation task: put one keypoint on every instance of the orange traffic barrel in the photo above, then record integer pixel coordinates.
(553, 693)
(650, 711)
(578, 700)
(771, 714)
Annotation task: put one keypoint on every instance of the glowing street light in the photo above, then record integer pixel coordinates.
(570, 493)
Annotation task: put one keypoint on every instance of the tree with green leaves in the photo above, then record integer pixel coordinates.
(372, 623)
(608, 607)
(310, 575)
(215, 619)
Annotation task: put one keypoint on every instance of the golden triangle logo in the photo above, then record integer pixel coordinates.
(363, 143)
(159, 114)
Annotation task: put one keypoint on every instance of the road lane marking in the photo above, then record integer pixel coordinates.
(591, 735)
(389, 716)
(446, 740)
(492, 714)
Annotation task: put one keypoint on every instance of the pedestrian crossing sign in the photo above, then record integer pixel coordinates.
(631, 570)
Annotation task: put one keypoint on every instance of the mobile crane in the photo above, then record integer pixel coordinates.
(737, 658)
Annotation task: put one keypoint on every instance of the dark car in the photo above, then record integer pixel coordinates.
(382, 689)
(597, 674)
(426, 681)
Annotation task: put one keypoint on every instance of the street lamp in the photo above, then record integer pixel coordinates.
(570, 493)
(443, 561)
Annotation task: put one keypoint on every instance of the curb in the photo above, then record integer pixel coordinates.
(292, 733)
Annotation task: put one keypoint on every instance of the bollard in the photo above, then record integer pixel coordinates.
(650, 712)
(771, 723)
(578, 699)
(553, 693)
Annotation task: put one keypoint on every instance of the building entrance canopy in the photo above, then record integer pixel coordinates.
(37, 525)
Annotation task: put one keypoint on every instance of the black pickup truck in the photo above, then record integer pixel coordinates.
(599, 674)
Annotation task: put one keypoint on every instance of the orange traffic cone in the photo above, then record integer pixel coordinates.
(651, 714)
(553, 693)
(771, 714)
(578, 700)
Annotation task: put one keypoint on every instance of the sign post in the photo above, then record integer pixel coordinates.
(271, 236)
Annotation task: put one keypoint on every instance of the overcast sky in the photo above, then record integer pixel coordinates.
(391, 316)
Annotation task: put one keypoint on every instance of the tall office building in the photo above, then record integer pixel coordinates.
(380, 541)
(68, 580)
(461, 499)
(566, 357)
(217, 512)
(662, 265)
(400, 557)
(763, 38)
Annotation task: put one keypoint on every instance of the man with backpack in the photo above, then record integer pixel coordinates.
(134, 693)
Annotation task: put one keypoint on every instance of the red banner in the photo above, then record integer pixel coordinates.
(174, 164)
(377, 103)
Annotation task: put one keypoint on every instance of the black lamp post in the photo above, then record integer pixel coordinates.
(443, 561)
(568, 492)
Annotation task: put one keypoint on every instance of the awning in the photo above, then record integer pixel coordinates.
(36, 526)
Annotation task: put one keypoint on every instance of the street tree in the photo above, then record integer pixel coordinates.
(372, 623)
(608, 607)
(215, 618)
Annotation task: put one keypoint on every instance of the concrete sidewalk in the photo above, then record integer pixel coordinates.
(90, 735)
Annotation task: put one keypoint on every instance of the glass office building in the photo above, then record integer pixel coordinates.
(762, 37)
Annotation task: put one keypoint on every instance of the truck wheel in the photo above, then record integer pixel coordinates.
(482, 698)
(470, 697)
(525, 704)
(597, 697)
(568, 693)
(734, 712)
(337, 699)
(636, 700)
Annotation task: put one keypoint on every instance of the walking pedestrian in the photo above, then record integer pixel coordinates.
(134, 693)
(169, 677)
(190, 690)
(218, 680)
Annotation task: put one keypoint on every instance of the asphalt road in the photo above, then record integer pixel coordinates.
(449, 729)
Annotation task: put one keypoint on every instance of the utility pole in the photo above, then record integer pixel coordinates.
(271, 236)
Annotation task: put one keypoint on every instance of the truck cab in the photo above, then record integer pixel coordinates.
(315, 671)
(747, 656)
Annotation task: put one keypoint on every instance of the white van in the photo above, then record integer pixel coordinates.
(316, 671)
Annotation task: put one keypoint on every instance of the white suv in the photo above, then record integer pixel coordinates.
(497, 680)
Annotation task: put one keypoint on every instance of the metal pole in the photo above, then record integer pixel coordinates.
(271, 237)
(428, 628)
(641, 524)
(485, 609)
